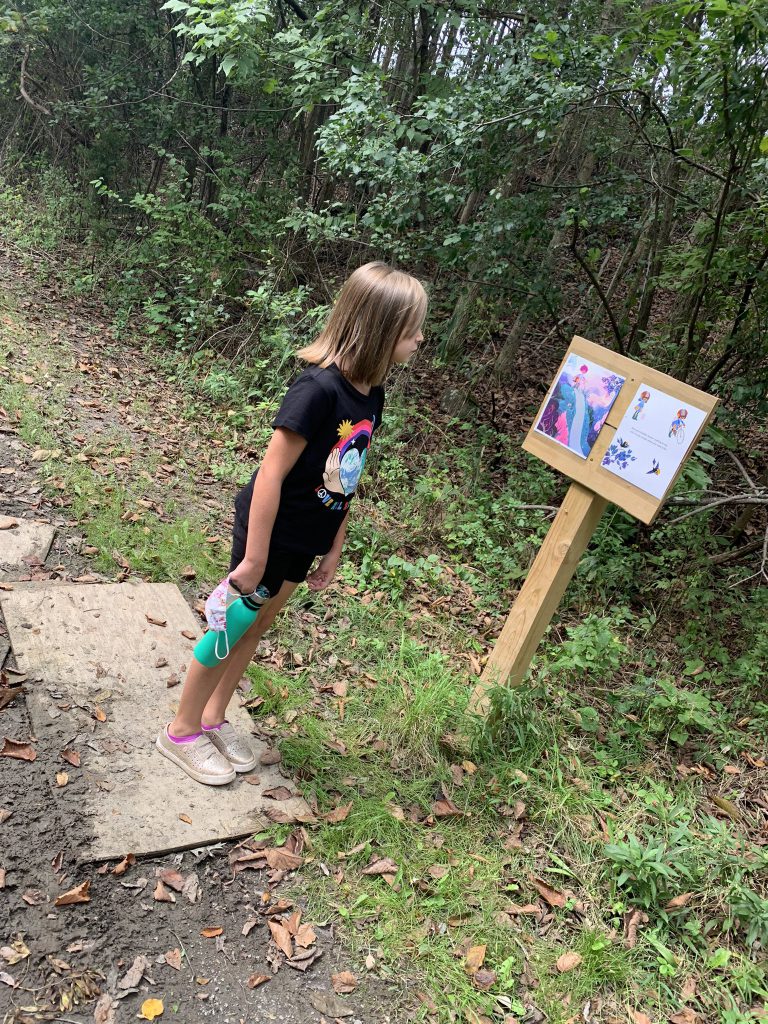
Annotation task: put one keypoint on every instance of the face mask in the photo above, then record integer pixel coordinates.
(216, 607)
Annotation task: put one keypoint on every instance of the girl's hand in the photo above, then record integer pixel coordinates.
(325, 571)
(247, 576)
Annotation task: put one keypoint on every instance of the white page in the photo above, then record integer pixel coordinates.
(653, 440)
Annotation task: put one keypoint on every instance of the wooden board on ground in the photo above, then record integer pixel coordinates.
(92, 652)
(27, 539)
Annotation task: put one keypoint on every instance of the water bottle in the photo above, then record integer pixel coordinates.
(214, 646)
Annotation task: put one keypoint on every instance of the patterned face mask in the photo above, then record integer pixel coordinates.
(216, 607)
(216, 612)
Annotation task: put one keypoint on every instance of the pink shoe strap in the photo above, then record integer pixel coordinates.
(213, 728)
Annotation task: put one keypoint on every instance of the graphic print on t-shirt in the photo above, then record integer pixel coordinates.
(345, 464)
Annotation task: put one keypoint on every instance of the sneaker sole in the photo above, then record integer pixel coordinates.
(202, 777)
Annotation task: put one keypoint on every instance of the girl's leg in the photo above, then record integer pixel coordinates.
(199, 684)
(214, 710)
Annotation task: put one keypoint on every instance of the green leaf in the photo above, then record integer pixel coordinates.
(228, 64)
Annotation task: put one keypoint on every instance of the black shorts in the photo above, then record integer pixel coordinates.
(282, 565)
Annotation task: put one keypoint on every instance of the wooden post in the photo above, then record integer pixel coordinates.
(540, 595)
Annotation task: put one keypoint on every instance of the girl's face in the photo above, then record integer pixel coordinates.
(407, 345)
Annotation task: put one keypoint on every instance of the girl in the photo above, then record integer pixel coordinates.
(297, 503)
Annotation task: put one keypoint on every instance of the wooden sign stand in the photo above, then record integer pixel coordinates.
(577, 519)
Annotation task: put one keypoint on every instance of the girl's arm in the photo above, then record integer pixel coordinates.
(281, 456)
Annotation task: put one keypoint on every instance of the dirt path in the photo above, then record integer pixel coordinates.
(72, 962)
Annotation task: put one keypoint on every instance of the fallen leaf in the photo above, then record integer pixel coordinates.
(338, 814)
(162, 895)
(529, 908)
(189, 634)
(381, 866)
(278, 793)
(280, 859)
(8, 522)
(173, 959)
(271, 757)
(128, 861)
(688, 991)
(20, 751)
(678, 901)
(474, 960)
(61, 778)
(445, 809)
(547, 893)
(151, 1008)
(640, 1018)
(343, 983)
(154, 621)
(279, 816)
(281, 937)
(71, 757)
(191, 888)
(305, 936)
(8, 979)
(396, 811)
(211, 933)
(103, 1011)
(173, 879)
(34, 897)
(633, 918)
(77, 895)
(330, 1005)
(186, 818)
(727, 807)
(568, 961)
(14, 953)
(340, 689)
(484, 979)
(257, 979)
(134, 973)
(684, 1016)
(370, 962)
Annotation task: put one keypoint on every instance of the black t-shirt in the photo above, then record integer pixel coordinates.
(338, 423)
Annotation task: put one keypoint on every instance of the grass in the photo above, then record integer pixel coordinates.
(366, 688)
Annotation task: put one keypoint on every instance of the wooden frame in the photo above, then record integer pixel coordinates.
(589, 472)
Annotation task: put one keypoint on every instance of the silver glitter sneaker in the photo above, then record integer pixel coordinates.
(199, 759)
(236, 750)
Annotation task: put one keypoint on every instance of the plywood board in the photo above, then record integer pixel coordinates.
(89, 646)
(19, 542)
(588, 471)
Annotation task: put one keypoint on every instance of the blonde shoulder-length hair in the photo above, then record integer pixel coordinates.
(376, 307)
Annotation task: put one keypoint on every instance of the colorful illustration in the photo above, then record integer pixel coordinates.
(578, 403)
(619, 454)
(658, 434)
(677, 430)
(345, 464)
(641, 404)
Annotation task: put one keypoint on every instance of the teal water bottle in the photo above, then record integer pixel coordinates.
(214, 646)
